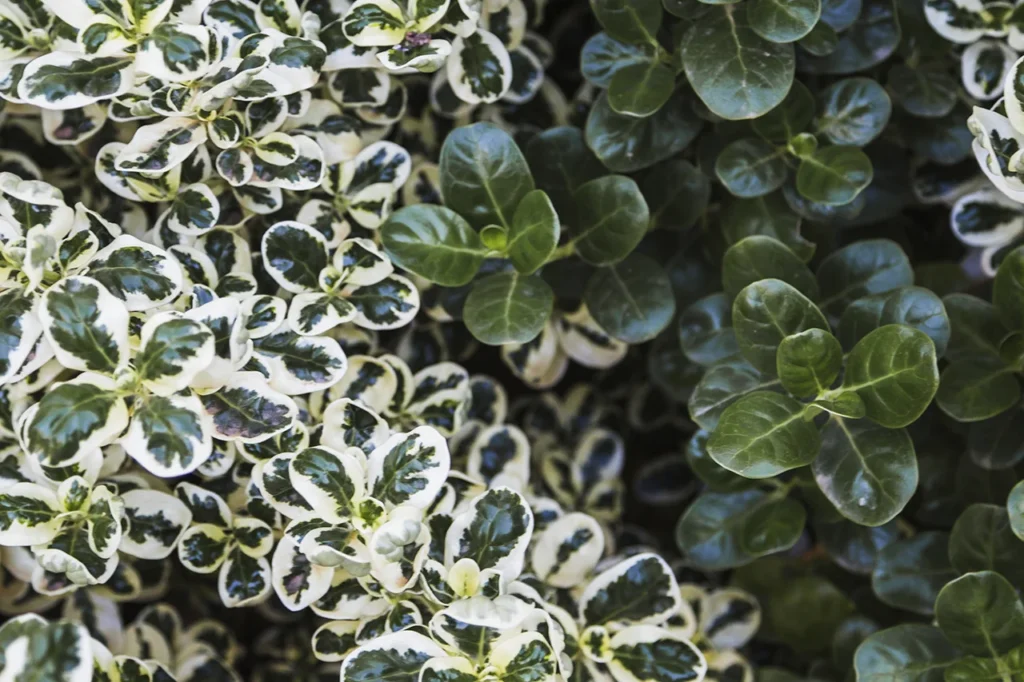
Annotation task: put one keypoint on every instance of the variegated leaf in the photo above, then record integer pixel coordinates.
(369, 381)
(294, 254)
(524, 658)
(332, 482)
(388, 304)
(959, 21)
(983, 68)
(73, 420)
(479, 68)
(398, 549)
(176, 52)
(409, 468)
(359, 87)
(729, 617)
(500, 455)
(322, 217)
(55, 652)
(28, 515)
(264, 315)
(243, 580)
(170, 435)
(398, 657)
(426, 57)
(206, 506)
(195, 211)
(641, 589)
(305, 172)
(494, 532)
(301, 364)
(232, 347)
(173, 349)
(297, 581)
(986, 218)
(103, 515)
(333, 641)
(140, 274)
(20, 327)
(86, 325)
(360, 262)
(586, 342)
(156, 522)
(997, 140)
(276, 149)
(246, 409)
(313, 314)
(253, 536)
(204, 548)
(65, 127)
(647, 652)
(70, 554)
(273, 478)
(374, 23)
(159, 147)
(235, 166)
(293, 64)
(66, 80)
(568, 550)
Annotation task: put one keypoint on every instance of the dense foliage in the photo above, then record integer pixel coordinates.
(511, 340)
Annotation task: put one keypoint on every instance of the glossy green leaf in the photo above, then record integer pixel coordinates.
(809, 362)
(893, 370)
(855, 111)
(629, 143)
(867, 471)
(632, 300)
(906, 653)
(737, 73)
(783, 22)
(508, 307)
(981, 614)
(1008, 290)
(534, 233)
(484, 176)
(870, 266)
(612, 218)
(433, 242)
(983, 540)
(977, 388)
(790, 118)
(768, 216)
(758, 258)
(766, 312)
(913, 306)
(909, 573)
(705, 330)
(834, 176)
(764, 434)
(641, 89)
(751, 167)
(630, 22)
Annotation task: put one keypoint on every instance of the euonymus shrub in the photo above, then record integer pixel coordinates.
(279, 279)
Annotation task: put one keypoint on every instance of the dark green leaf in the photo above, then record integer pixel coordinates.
(981, 614)
(737, 73)
(433, 242)
(484, 176)
(632, 300)
(612, 218)
(508, 307)
(764, 434)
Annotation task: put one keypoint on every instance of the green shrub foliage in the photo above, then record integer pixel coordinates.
(511, 341)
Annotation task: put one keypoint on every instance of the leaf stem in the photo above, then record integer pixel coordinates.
(563, 251)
